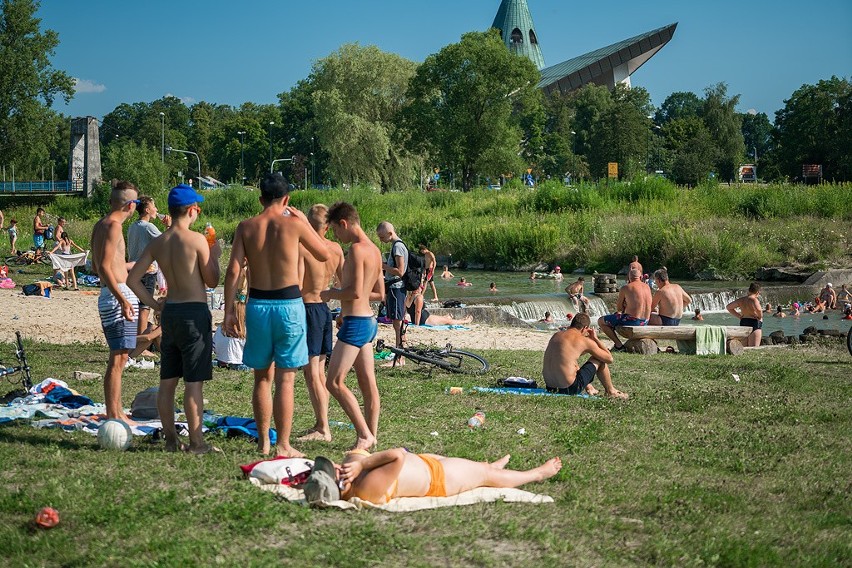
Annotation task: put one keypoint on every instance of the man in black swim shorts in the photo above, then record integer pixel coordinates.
(561, 370)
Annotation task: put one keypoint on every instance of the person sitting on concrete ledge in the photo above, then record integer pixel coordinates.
(393, 473)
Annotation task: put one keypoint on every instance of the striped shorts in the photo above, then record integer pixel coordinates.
(120, 334)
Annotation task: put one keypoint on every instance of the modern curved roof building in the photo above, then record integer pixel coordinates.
(605, 66)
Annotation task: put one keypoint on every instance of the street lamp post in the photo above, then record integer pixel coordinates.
(197, 159)
(162, 137)
(271, 124)
(272, 164)
(242, 134)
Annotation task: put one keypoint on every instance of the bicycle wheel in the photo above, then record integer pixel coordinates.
(455, 361)
(849, 340)
(45, 259)
(20, 260)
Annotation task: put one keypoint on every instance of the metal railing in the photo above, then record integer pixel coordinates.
(41, 187)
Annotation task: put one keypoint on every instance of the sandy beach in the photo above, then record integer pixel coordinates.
(68, 317)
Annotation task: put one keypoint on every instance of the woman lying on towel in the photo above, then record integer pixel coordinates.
(383, 476)
(418, 315)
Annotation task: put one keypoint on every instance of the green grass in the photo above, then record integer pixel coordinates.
(734, 230)
(695, 470)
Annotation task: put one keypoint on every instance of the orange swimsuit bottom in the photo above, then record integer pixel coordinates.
(437, 485)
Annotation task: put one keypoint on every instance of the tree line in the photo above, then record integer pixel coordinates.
(471, 112)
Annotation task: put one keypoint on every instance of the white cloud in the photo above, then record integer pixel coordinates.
(184, 100)
(86, 86)
(752, 111)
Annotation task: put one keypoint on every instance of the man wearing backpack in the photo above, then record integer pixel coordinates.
(394, 269)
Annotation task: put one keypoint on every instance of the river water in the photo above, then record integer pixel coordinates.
(528, 300)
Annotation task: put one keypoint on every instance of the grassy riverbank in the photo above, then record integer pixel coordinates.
(732, 230)
(696, 469)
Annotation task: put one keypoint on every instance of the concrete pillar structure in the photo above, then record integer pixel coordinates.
(84, 167)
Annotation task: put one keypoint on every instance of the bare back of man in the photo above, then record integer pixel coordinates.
(270, 243)
(750, 311)
(669, 300)
(561, 369)
(316, 276)
(361, 282)
(117, 305)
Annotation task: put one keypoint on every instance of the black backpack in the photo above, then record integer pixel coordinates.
(413, 275)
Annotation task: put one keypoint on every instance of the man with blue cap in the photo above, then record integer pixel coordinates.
(190, 266)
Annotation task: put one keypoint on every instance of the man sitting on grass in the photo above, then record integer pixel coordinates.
(562, 371)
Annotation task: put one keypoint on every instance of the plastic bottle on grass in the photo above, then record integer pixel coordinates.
(476, 420)
(210, 233)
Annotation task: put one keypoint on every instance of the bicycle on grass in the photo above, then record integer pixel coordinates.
(22, 367)
(446, 358)
(28, 257)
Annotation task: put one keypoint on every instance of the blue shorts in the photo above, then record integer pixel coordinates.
(616, 320)
(275, 331)
(395, 301)
(320, 331)
(120, 334)
(358, 331)
(670, 322)
(38, 241)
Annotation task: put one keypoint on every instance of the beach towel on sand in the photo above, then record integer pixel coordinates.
(406, 504)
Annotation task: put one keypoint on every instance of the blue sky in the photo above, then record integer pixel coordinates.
(231, 52)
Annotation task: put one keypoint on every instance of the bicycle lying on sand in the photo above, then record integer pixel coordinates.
(447, 358)
(22, 367)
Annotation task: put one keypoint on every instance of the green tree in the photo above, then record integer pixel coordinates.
(725, 127)
(622, 133)
(680, 104)
(813, 128)
(125, 159)
(757, 133)
(28, 86)
(693, 150)
(357, 93)
(468, 103)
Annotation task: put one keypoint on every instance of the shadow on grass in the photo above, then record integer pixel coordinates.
(18, 437)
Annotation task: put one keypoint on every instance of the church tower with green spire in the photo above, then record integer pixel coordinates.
(515, 23)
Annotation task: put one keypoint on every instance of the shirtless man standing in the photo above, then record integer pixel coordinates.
(117, 304)
(431, 264)
(635, 264)
(562, 371)
(275, 313)
(362, 282)
(633, 308)
(190, 266)
(575, 293)
(316, 276)
(750, 312)
(669, 300)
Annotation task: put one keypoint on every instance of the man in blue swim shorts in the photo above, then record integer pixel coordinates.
(271, 243)
(117, 305)
(633, 308)
(360, 284)
(316, 277)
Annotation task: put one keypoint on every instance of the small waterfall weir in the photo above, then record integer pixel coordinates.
(712, 302)
(533, 311)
